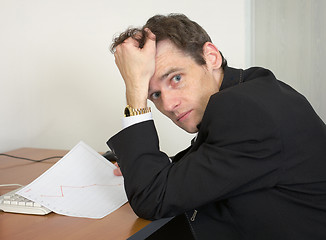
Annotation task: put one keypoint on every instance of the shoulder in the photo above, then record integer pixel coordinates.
(258, 72)
(239, 106)
(242, 112)
(257, 87)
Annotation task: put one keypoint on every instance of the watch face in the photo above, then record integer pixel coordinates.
(127, 112)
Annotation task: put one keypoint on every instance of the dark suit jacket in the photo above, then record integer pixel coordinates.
(257, 169)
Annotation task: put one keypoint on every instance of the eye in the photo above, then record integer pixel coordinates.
(176, 78)
(155, 95)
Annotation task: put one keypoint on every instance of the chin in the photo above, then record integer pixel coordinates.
(193, 131)
(189, 129)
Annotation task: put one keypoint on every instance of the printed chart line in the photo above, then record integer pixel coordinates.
(87, 186)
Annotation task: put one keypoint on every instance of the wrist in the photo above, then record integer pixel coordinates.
(130, 111)
(136, 99)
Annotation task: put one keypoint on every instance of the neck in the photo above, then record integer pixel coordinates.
(219, 77)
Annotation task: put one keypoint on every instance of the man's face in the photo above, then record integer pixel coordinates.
(180, 88)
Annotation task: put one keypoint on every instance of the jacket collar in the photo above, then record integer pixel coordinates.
(231, 77)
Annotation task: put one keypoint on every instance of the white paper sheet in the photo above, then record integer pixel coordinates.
(81, 184)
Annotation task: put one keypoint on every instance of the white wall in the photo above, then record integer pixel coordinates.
(58, 80)
(289, 38)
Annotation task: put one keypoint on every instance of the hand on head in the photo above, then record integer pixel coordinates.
(137, 66)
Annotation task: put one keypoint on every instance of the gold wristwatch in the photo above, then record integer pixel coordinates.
(130, 111)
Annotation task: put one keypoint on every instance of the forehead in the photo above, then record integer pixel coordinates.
(168, 56)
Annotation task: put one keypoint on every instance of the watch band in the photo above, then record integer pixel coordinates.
(130, 111)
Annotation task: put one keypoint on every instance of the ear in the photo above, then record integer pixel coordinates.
(212, 56)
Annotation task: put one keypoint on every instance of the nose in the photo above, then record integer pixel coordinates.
(169, 101)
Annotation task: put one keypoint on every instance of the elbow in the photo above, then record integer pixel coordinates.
(145, 210)
(149, 209)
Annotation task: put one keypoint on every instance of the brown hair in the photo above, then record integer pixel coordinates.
(187, 35)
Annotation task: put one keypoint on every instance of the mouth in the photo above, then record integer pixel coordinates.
(183, 116)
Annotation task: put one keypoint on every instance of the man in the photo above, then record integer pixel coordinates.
(256, 169)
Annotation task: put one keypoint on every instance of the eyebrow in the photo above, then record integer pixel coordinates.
(171, 70)
(165, 75)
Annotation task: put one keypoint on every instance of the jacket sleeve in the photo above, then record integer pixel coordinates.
(237, 150)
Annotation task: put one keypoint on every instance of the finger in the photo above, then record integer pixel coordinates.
(117, 172)
(150, 42)
(138, 35)
(150, 34)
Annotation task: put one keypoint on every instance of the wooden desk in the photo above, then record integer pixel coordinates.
(120, 224)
